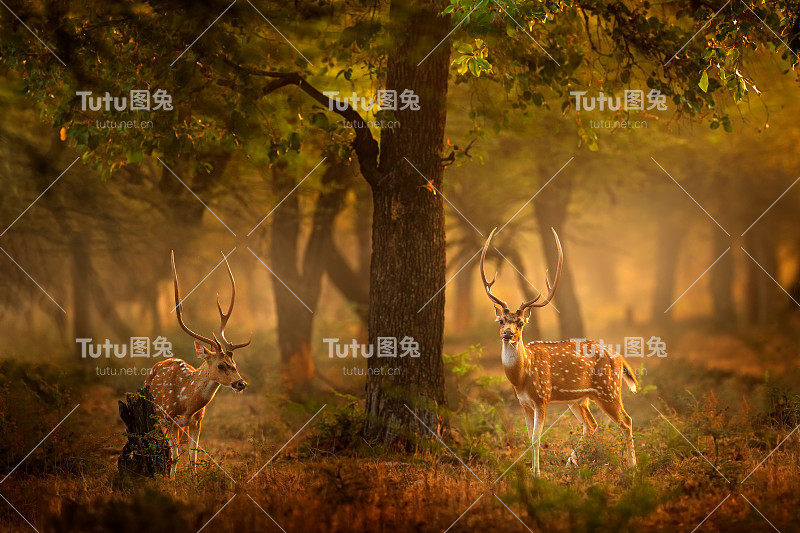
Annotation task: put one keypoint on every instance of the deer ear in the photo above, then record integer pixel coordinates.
(202, 351)
(497, 312)
(526, 313)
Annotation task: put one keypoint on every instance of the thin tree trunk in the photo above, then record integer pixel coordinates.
(295, 321)
(551, 212)
(721, 278)
(670, 240)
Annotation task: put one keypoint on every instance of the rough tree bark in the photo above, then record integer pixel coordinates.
(408, 234)
(407, 266)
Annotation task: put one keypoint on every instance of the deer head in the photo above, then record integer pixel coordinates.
(512, 322)
(218, 354)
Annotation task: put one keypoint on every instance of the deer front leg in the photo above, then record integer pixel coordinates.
(194, 441)
(537, 412)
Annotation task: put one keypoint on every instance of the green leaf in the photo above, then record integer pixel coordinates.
(703, 83)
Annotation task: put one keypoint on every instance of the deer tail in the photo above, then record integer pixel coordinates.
(629, 376)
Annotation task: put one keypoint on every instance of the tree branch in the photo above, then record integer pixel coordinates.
(365, 145)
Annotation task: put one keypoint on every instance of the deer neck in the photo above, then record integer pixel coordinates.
(513, 361)
(205, 389)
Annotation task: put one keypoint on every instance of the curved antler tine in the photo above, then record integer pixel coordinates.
(487, 284)
(179, 306)
(551, 289)
(242, 345)
(218, 344)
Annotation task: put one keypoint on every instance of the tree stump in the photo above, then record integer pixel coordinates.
(146, 453)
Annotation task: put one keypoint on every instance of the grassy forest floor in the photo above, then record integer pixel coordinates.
(328, 479)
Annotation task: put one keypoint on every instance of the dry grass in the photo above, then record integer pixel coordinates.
(327, 479)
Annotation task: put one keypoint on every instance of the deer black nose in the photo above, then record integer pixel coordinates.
(239, 385)
(507, 334)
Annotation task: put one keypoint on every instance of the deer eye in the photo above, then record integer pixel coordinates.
(221, 366)
(520, 323)
(500, 321)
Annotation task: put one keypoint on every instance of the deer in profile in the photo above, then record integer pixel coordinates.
(182, 392)
(561, 372)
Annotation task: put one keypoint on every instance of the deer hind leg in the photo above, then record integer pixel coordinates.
(173, 439)
(583, 414)
(616, 412)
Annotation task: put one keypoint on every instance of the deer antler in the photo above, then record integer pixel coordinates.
(179, 311)
(487, 284)
(551, 290)
(223, 317)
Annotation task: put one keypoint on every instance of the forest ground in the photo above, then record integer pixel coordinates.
(714, 449)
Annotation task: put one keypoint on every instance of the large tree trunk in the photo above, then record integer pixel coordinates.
(551, 212)
(408, 240)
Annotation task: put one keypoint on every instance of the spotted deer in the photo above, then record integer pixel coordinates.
(560, 372)
(182, 392)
